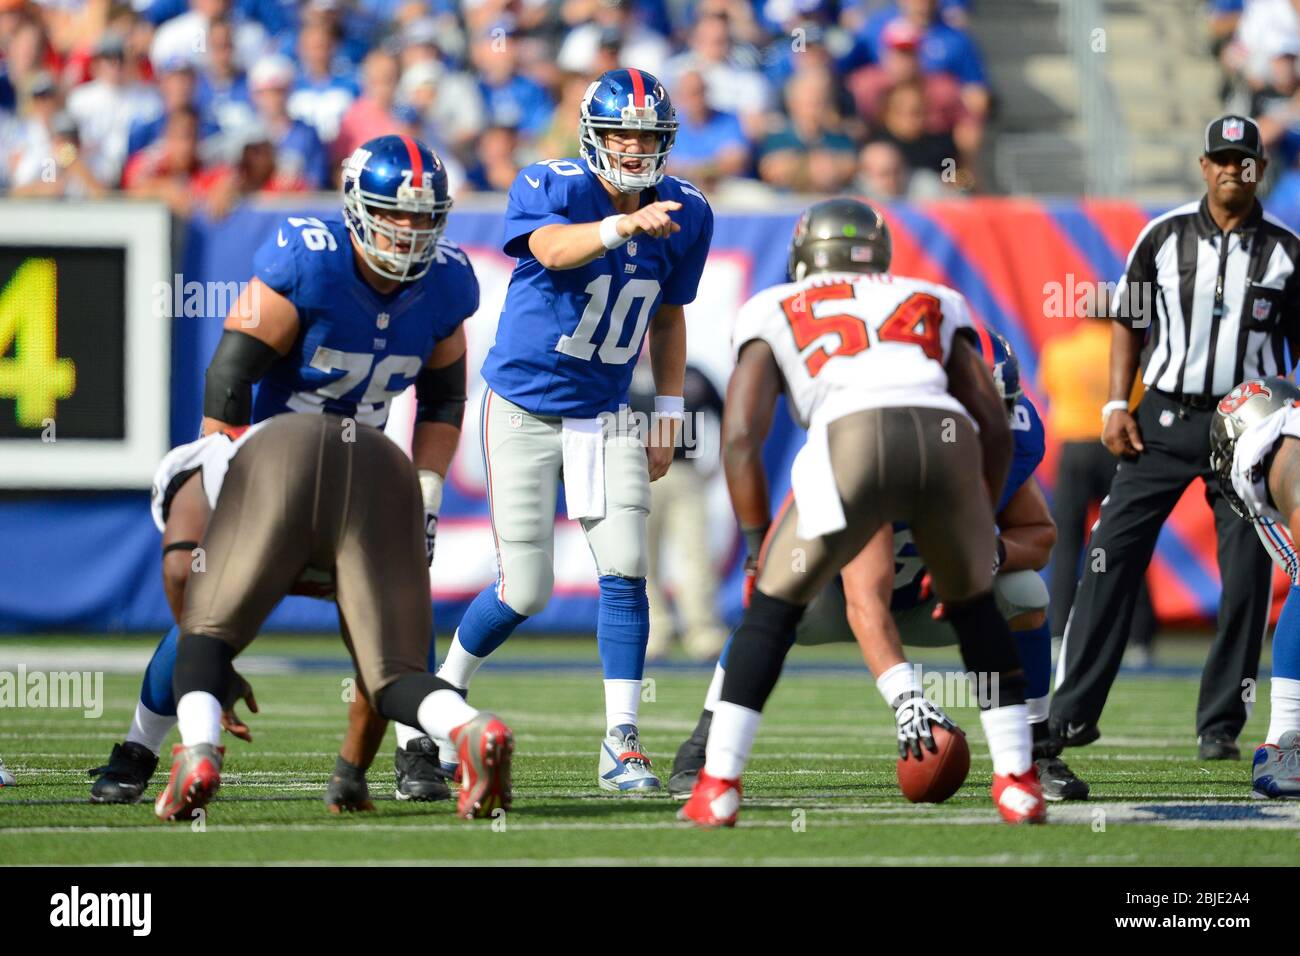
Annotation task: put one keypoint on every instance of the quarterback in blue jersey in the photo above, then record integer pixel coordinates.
(343, 314)
(608, 250)
(882, 600)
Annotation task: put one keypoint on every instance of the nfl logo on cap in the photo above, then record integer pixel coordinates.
(1233, 130)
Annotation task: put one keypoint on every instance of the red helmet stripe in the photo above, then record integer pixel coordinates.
(638, 88)
(986, 344)
(417, 164)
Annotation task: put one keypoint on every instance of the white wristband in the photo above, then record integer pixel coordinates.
(431, 490)
(1115, 406)
(670, 406)
(609, 236)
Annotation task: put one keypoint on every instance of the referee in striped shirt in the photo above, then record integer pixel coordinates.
(1210, 296)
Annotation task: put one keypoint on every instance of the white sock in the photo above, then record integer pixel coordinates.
(199, 714)
(715, 688)
(1038, 707)
(1284, 699)
(459, 666)
(149, 729)
(406, 734)
(731, 738)
(898, 680)
(442, 712)
(622, 700)
(1010, 743)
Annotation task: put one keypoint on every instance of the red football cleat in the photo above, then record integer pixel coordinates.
(1019, 797)
(194, 780)
(485, 745)
(714, 802)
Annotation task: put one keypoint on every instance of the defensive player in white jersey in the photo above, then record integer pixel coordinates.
(885, 373)
(608, 248)
(1255, 451)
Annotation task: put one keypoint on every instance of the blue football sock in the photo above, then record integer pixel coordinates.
(1036, 657)
(1286, 638)
(487, 624)
(156, 689)
(623, 627)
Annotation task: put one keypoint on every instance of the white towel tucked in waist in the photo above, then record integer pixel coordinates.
(582, 441)
(813, 481)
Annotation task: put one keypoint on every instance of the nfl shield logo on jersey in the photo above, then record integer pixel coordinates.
(1261, 309)
(381, 320)
(1233, 130)
(631, 247)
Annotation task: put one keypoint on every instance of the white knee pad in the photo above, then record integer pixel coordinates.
(618, 544)
(1019, 592)
(527, 578)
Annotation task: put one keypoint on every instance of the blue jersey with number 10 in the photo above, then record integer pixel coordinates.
(357, 349)
(568, 339)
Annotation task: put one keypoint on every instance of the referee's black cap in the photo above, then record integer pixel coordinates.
(1233, 133)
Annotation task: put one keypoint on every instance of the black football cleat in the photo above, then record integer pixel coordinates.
(1058, 781)
(420, 776)
(126, 775)
(1217, 746)
(690, 759)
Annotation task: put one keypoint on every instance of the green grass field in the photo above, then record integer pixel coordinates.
(819, 791)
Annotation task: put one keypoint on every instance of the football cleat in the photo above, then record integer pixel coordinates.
(1276, 769)
(194, 781)
(1217, 747)
(1058, 781)
(6, 778)
(1019, 797)
(420, 775)
(714, 802)
(126, 775)
(348, 794)
(486, 746)
(690, 759)
(623, 768)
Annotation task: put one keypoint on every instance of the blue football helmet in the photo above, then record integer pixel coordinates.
(626, 100)
(395, 173)
(1001, 360)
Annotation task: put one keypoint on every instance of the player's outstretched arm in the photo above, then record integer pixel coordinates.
(440, 395)
(746, 421)
(971, 383)
(572, 245)
(1026, 529)
(261, 327)
(668, 365)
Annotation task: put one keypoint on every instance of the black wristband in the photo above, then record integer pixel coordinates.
(754, 540)
(348, 771)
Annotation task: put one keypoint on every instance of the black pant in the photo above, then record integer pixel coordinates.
(1083, 475)
(1142, 495)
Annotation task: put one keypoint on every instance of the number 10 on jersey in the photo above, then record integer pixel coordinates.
(580, 344)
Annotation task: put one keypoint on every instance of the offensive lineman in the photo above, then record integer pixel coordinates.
(870, 362)
(881, 599)
(608, 248)
(315, 491)
(344, 313)
(1255, 451)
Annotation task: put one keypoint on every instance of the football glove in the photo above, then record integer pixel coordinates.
(431, 492)
(240, 689)
(914, 716)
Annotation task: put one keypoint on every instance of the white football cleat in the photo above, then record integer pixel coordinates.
(6, 778)
(1275, 772)
(623, 767)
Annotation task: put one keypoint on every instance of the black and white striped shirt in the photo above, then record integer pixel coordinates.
(1220, 307)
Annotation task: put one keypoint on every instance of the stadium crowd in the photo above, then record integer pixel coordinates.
(200, 103)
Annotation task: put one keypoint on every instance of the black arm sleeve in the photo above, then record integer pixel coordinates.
(239, 362)
(440, 394)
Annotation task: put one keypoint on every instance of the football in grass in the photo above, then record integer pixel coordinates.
(936, 776)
